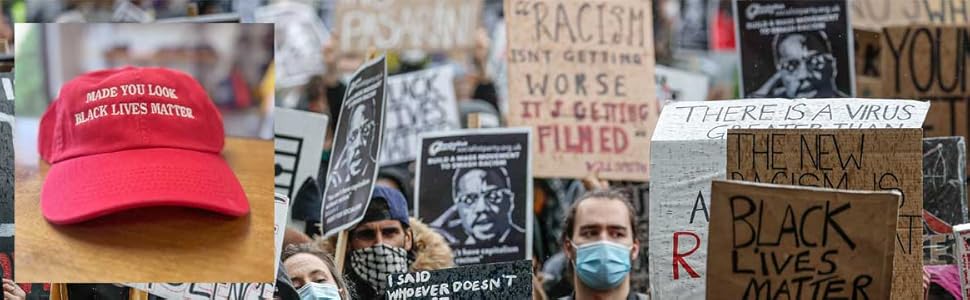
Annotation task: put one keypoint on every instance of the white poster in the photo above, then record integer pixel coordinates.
(300, 36)
(689, 151)
(299, 137)
(417, 102)
(281, 215)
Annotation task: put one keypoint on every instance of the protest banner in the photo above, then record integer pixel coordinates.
(576, 79)
(944, 196)
(511, 280)
(803, 242)
(300, 36)
(207, 291)
(298, 139)
(475, 188)
(434, 25)
(795, 49)
(679, 85)
(961, 233)
(853, 159)
(689, 150)
(352, 170)
(417, 102)
(875, 14)
(927, 62)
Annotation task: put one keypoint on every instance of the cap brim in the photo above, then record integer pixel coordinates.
(83, 188)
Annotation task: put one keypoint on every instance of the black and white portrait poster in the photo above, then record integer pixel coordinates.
(356, 144)
(298, 141)
(475, 188)
(417, 102)
(795, 49)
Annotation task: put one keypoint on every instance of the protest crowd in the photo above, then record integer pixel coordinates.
(509, 150)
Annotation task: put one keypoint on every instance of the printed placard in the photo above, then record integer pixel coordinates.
(300, 34)
(357, 142)
(944, 196)
(417, 102)
(689, 150)
(795, 49)
(580, 89)
(298, 139)
(512, 280)
(857, 159)
(207, 291)
(434, 25)
(475, 189)
(806, 243)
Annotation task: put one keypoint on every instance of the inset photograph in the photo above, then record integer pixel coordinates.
(144, 153)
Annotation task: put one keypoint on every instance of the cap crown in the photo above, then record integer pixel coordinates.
(129, 108)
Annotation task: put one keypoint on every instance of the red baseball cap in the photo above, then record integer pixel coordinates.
(134, 137)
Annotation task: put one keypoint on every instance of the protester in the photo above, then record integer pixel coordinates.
(312, 272)
(601, 245)
(11, 291)
(386, 242)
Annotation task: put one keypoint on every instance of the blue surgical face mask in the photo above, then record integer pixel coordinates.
(319, 291)
(602, 265)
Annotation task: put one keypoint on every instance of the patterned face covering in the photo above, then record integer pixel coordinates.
(374, 264)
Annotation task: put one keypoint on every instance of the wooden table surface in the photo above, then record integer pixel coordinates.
(157, 244)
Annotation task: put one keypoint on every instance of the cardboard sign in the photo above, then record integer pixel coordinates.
(281, 215)
(961, 233)
(868, 48)
(944, 196)
(858, 159)
(795, 49)
(300, 36)
(678, 85)
(434, 25)
(806, 243)
(475, 189)
(874, 14)
(356, 144)
(298, 138)
(417, 102)
(689, 150)
(576, 74)
(208, 291)
(512, 280)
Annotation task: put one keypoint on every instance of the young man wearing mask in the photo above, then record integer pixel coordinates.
(387, 242)
(600, 246)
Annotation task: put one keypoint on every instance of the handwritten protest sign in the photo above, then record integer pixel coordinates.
(576, 74)
(689, 150)
(804, 243)
(794, 49)
(475, 189)
(874, 14)
(512, 280)
(944, 196)
(300, 36)
(858, 159)
(357, 142)
(679, 85)
(417, 102)
(437, 25)
(298, 138)
(207, 291)
(961, 233)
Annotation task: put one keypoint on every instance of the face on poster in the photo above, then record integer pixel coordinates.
(357, 142)
(794, 49)
(475, 189)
